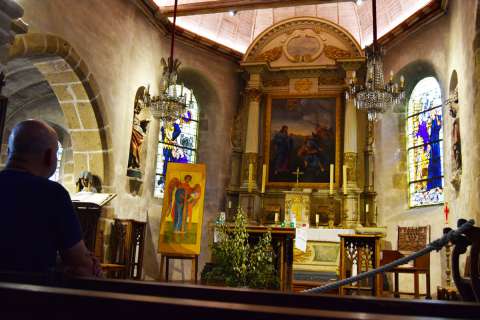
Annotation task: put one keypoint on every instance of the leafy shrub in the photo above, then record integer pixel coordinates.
(238, 264)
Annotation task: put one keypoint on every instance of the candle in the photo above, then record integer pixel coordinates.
(264, 177)
(344, 179)
(317, 218)
(402, 81)
(229, 204)
(276, 217)
(331, 177)
(391, 75)
(366, 207)
(250, 176)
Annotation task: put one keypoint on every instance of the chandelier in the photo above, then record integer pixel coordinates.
(171, 104)
(375, 96)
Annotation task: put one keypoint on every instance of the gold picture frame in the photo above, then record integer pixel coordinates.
(333, 100)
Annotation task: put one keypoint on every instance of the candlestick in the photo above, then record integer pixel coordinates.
(317, 219)
(402, 81)
(344, 179)
(250, 176)
(331, 177)
(229, 204)
(391, 75)
(366, 207)
(276, 217)
(264, 177)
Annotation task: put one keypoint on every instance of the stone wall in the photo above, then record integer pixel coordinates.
(122, 50)
(435, 50)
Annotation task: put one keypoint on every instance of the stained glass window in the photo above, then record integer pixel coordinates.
(56, 175)
(177, 142)
(425, 144)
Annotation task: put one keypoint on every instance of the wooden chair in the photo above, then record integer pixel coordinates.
(127, 240)
(118, 254)
(410, 239)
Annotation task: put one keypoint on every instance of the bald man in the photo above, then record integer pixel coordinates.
(37, 216)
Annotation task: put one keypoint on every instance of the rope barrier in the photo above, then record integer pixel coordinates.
(434, 245)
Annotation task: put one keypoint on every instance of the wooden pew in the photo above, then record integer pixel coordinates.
(26, 301)
(259, 297)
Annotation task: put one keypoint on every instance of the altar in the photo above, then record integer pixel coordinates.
(321, 259)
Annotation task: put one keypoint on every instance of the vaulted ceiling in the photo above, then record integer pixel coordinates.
(239, 30)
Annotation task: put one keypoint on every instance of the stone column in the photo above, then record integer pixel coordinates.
(351, 215)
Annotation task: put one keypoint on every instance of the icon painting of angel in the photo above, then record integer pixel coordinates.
(182, 212)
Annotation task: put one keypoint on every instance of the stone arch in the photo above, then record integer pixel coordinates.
(206, 95)
(413, 73)
(79, 96)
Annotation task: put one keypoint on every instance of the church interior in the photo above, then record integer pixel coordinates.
(341, 131)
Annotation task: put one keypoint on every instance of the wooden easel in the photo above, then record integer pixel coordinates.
(166, 257)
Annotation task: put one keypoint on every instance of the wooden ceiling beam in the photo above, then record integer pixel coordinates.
(207, 7)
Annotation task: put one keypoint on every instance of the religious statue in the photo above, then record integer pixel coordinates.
(139, 130)
(456, 151)
(86, 182)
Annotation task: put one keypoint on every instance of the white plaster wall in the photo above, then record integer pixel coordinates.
(446, 45)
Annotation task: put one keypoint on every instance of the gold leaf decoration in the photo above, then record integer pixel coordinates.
(334, 53)
(270, 55)
(303, 85)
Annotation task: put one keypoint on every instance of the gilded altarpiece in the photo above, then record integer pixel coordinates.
(301, 64)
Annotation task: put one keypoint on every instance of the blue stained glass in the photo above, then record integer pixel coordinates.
(425, 144)
(177, 142)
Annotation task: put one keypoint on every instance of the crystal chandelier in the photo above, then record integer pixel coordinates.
(375, 96)
(171, 104)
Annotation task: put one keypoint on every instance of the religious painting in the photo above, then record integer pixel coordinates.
(320, 256)
(141, 119)
(302, 140)
(425, 144)
(182, 211)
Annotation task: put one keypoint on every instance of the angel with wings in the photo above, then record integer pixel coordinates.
(182, 198)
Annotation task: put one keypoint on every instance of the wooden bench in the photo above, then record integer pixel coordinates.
(265, 298)
(25, 301)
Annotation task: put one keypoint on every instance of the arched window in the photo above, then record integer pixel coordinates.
(177, 142)
(425, 144)
(56, 175)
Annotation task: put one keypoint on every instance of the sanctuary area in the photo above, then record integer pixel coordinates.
(263, 144)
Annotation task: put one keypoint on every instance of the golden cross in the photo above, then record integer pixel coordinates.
(298, 174)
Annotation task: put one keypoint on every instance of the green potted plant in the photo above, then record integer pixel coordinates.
(236, 262)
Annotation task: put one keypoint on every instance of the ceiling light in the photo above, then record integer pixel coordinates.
(170, 105)
(232, 13)
(375, 95)
(359, 2)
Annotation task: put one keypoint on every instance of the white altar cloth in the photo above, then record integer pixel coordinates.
(326, 235)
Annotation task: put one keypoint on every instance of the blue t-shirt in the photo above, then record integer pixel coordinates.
(37, 220)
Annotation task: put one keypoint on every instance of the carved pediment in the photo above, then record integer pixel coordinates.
(303, 42)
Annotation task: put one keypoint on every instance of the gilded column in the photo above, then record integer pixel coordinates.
(351, 215)
(250, 156)
(369, 194)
